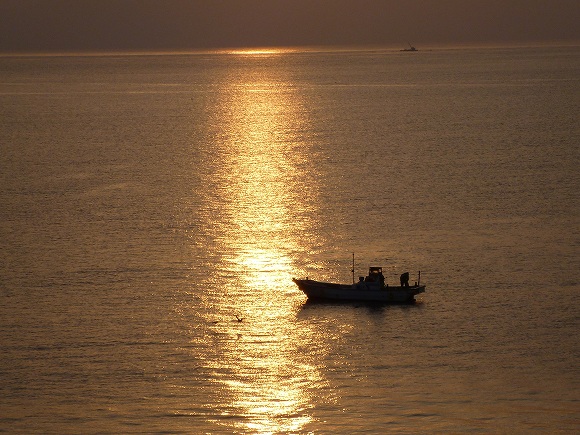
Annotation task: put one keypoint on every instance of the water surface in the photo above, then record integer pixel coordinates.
(148, 202)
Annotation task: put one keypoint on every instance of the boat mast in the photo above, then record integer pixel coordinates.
(352, 270)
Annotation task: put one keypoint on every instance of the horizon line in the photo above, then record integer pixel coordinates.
(277, 50)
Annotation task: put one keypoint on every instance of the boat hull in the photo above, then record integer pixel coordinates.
(358, 292)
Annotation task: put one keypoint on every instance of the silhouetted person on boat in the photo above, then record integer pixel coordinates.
(405, 279)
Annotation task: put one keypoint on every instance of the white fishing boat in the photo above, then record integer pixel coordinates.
(371, 288)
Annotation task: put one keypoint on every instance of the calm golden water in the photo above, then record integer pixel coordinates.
(153, 210)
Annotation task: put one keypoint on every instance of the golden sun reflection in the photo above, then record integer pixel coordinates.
(269, 379)
(261, 51)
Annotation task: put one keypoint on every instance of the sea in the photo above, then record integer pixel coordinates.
(154, 209)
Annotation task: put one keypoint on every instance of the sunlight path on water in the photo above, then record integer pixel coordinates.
(259, 171)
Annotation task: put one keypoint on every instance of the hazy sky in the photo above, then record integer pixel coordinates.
(73, 25)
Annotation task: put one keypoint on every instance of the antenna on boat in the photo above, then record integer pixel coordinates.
(352, 270)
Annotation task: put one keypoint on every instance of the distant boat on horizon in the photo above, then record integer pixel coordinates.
(411, 48)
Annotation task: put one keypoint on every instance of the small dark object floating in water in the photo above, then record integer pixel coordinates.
(411, 48)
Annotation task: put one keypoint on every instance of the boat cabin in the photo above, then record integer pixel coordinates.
(375, 275)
